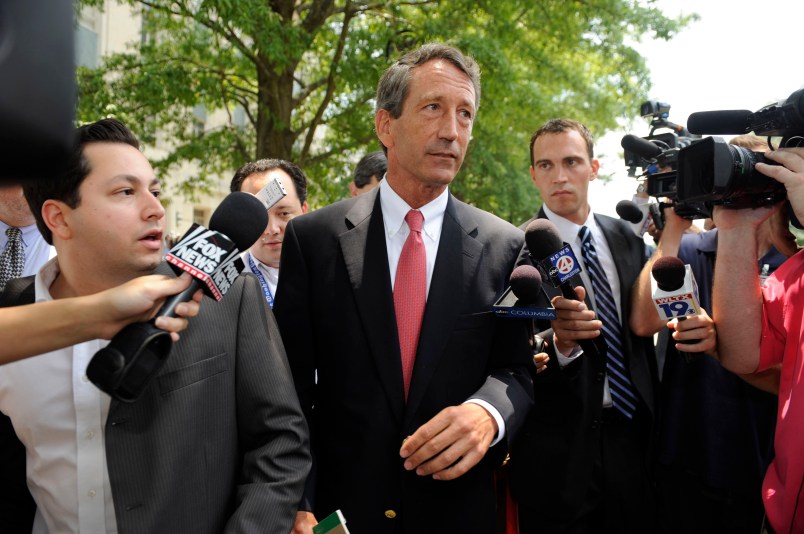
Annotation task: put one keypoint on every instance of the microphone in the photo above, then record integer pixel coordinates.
(676, 294)
(639, 146)
(726, 122)
(212, 257)
(526, 284)
(525, 298)
(556, 259)
(629, 211)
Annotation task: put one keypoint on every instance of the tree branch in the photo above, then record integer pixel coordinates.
(333, 69)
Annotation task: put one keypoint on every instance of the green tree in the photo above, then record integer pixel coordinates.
(302, 75)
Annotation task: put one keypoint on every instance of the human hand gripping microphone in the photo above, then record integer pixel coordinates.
(526, 285)
(211, 256)
(676, 294)
(557, 261)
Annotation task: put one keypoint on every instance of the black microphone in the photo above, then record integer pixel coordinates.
(526, 284)
(725, 122)
(629, 211)
(524, 298)
(639, 146)
(544, 242)
(212, 257)
(677, 293)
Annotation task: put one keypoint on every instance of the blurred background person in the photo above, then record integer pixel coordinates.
(24, 250)
(262, 259)
(368, 173)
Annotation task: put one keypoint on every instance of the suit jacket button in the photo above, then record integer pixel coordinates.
(595, 424)
(599, 376)
(390, 514)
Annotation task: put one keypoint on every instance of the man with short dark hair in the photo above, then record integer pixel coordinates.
(582, 463)
(368, 173)
(412, 387)
(216, 442)
(262, 259)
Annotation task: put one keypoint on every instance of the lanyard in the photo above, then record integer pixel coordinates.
(263, 283)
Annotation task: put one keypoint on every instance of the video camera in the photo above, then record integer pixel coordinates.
(657, 156)
(715, 172)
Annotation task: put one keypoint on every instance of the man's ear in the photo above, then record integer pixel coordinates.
(382, 124)
(595, 164)
(352, 189)
(56, 215)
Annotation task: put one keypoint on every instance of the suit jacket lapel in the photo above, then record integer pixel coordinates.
(625, 270)
(366, 259)
(454, 274)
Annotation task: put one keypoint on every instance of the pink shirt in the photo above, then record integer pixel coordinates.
(782, 329)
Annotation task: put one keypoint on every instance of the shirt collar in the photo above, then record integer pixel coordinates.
(272, 272)
(394, 210)
(568, 229)
(29, 233)
(44, 279)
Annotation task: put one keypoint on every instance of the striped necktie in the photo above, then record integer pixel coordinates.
(623, 395)
(13, 258)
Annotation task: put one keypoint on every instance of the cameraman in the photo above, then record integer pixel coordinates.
(702, 486)
(760, 327)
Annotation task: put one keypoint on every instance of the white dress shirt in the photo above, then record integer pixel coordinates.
(267, 274)
(394, 210)
(569, 234)
(60, 416)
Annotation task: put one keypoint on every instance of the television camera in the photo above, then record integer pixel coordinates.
(656, 155)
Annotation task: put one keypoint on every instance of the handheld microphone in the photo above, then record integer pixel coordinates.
(526, 284)
(676, 294)
(639, 146)
(135, 354)
(524, 299)
(557, 261)
(629, 211)
(725, 122)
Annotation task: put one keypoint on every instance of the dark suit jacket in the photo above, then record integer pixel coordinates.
(218, 442)
(335, 310)
(553, 456)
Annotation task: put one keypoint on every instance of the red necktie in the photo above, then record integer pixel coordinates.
(410, 294)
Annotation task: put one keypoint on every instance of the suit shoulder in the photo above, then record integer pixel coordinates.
(617, 225)
(490, 222)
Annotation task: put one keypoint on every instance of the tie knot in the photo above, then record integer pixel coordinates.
(584, 234)
(415, 219)
(13, 233)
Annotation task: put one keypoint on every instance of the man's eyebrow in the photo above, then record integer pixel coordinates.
(135, 180)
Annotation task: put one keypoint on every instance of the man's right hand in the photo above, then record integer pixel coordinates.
(573, 322)
(305, 521)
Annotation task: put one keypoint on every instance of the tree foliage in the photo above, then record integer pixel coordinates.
(302, 75)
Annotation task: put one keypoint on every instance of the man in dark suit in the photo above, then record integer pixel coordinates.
(581, 463)
(216, 443)
(407, 425)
